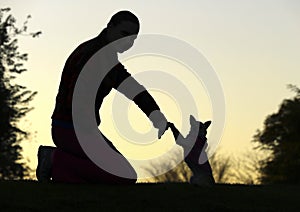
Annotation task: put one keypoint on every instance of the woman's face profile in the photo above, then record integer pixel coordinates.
(124, 29)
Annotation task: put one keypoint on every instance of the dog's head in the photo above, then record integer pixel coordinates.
(197, 127)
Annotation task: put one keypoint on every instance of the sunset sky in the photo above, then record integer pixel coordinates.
(253, 46)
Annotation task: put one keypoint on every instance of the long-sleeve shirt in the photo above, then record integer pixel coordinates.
(73, 66)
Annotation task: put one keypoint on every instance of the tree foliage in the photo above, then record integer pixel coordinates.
(14, 98)
(177, 172)
(281, 136)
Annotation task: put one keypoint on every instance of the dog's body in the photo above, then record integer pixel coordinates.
(194, 145)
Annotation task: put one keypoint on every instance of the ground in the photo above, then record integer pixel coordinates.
(33, 196)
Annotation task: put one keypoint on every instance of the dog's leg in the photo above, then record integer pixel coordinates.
(174, 130)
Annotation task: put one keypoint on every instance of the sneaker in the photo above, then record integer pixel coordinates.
(43, 171)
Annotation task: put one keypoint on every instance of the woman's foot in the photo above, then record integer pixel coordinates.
(43, 171)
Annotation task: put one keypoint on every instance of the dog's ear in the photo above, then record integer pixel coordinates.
(207, 124)
(192, 120)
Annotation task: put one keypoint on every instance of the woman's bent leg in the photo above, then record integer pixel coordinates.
(70, 164)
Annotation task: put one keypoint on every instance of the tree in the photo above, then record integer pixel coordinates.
(244, 168)
(176, 173)
(281, 136)
(14, 98)
(181, 173)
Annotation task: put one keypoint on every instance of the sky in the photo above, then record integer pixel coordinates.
(253, 46)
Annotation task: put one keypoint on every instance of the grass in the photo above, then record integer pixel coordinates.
(33, 196)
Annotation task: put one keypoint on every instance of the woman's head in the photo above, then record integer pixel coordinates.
(123, 15)
(121, 25)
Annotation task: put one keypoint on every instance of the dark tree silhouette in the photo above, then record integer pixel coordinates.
(14, 98)
(179, 173)
(281, 136)
(221, 166)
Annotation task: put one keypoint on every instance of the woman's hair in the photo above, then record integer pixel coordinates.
(123, 16)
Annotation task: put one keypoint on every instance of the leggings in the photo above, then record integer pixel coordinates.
(71, 165)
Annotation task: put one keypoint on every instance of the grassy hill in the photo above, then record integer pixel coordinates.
(32, 196)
